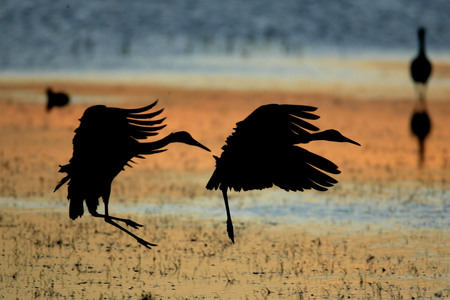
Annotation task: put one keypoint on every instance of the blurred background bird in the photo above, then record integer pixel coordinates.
(58, 99)
(421, 67)
(106, 141)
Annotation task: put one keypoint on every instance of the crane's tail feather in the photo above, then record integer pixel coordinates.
(63, 169)
(76, 208)
(214, 181)
(61, 183)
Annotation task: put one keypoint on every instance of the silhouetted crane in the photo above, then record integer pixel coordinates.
(421, 67)
(56, 99)
(262, 152)
(104, 143)
(421, 127)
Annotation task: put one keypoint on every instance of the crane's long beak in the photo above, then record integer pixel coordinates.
(195, 143)
(191, 141)
(351, 141)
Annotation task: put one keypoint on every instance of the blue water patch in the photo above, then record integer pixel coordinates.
(423, 209)
(406, 204)
(296, 208)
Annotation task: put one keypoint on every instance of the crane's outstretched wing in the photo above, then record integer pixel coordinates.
(261, 153)
(106, 140)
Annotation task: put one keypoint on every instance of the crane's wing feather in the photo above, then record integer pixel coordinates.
(140, 126)
(300, 169)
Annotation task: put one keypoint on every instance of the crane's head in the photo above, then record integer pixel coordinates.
(335, 136)
(186, 138)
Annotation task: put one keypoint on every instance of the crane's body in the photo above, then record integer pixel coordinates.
(262, 152)
(105, 142)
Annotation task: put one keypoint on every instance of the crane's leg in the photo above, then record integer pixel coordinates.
(229, 222)
(138, 239)
(128, 222)
(105, 196)
(108, 219)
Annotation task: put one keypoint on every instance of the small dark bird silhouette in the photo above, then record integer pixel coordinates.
(56, 99)
(262, 152)
(421, 67)
(421, 127)
(104, 143)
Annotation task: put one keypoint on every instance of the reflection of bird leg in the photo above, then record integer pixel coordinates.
(421, 127)
(422, 90)
(229, 221)
(421, 152)
(418, 89)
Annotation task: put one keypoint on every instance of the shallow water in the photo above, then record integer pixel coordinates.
(404, 209)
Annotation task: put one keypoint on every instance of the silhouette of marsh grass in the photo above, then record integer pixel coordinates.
(45, 254)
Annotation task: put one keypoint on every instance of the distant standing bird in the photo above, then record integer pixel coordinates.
(421, 67)
(262, 152)
(56, 99)
(107, 140)
(421, 127)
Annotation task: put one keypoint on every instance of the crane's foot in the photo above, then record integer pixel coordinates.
(128, 222)
(230, 230)
(132, 224)
(145, 243)
(109, 220)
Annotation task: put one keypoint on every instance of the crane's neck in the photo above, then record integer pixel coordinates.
(422, 45)
(174, 137)
(321, 136)
(151, 147)
(330, 135)
(318, 136)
